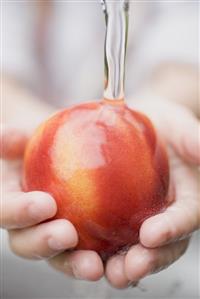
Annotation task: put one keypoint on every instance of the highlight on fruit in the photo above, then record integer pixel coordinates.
(106, 168)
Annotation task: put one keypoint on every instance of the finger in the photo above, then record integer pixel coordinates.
(11, 176)
(140, 261)
(12, 143)
(44, 240)
(182, 130)
(177, 125)
(81, 264)
(21, 210)
(181, 218)
(115, 272)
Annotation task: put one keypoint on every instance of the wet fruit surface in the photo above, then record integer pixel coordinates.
(105, 168)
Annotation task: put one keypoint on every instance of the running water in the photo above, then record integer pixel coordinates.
(116, 16)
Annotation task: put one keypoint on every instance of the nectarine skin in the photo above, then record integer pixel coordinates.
(106, 169)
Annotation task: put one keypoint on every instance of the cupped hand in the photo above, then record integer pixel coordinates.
(165, 237)
(25, 217)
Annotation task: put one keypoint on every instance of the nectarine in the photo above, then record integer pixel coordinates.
(106, 169)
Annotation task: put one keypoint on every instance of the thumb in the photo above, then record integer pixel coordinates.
(12, 142)
(176, 124)
(182, 130)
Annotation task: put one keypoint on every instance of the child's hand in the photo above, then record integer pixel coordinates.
(22, 214)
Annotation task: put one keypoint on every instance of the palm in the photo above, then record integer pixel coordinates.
(163, 238)
(159, 236)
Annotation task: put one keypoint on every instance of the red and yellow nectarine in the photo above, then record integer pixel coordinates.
(106, 169)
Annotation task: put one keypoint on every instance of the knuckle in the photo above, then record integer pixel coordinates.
(61, 263)
(152, 263)
(169, 230)
(21, 217)
(161, 267)
(167, 235)
(20, 251)
(184, 246)
(13, 243)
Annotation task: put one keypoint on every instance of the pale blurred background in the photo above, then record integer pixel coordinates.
(24, 279)
(55, 48)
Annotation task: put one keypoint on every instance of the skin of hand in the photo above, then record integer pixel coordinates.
(165, 237)
(160, 244)
(22, 213)
(177, 82)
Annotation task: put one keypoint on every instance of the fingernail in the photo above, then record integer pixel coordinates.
(55, 244)
(42, 209)
(76, 271)
(133, 284)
